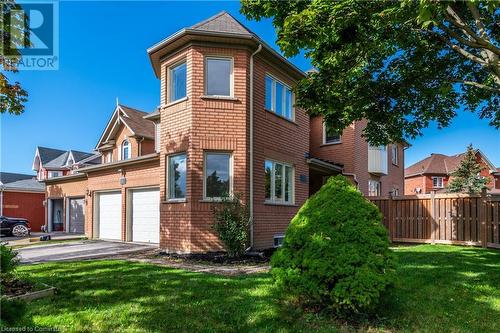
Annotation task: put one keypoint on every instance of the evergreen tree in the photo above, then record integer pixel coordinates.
(467, 177)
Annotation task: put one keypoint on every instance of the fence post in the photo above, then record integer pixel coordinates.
(390, 217)
(483, 216)
(433, 217)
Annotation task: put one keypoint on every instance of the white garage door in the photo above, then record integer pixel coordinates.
(146, 215)
(110, 215)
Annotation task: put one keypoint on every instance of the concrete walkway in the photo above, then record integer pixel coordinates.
(78, 250)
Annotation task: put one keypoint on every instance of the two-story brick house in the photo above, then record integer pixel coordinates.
(434, 172)
(226, 125)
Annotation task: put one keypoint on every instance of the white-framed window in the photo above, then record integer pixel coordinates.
(177, 176)
(157, 136)
(395, 154)
(395, 192)
(279, 182)
(177, 81)
(53, 174)
(218, 175)
(219, 76)
(278, 240)
(330, 135)
(109, 157)
(125, 150)
(437, 182)
(373, 188)
(279, 98)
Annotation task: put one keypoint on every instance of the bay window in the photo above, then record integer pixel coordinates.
(177, 177)
(218, 76)
(178, 77)
(278, 182)
(279, 98)
(217, 175)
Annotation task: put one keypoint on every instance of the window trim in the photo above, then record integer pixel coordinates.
(273, 185)
(50, 174)
(395, 157)
(436, 178)
(231, 175)
(324, 137)
(273, 97)
(170, 78)
(167, 192)
(122, 147)
(205, 75)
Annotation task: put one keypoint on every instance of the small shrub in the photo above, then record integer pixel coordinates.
(8, 261)
(231, 224)
(336, 252)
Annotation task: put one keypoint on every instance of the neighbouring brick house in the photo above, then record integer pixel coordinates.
(434, 172)
(22, 196)
(226, 125)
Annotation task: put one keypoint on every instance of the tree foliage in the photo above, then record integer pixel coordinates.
(12, 95)
(336, 251)
(467, 177)
(399, 64)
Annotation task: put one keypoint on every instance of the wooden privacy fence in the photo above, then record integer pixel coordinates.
(442, 218)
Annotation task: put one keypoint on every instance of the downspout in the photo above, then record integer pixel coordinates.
(259, 48)
(353, 175)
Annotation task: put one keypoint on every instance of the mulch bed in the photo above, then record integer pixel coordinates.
(15, 287)
(217, 258)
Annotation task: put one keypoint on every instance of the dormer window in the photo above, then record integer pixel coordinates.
(125, 150)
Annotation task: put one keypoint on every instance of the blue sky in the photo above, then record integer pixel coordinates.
(102, 51)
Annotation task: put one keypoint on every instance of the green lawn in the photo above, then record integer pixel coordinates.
(439, 289)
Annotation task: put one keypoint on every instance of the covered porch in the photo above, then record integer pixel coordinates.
(319, 172)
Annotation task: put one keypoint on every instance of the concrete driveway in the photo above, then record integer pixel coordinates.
(78, 250)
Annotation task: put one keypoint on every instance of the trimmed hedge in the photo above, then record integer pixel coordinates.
(335, 252)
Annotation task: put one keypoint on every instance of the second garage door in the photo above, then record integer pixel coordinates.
(110, 215)
(77, 215)
(145, 215)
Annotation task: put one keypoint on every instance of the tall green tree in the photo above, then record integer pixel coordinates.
(467, 178)
(12, 95)
(398, 64)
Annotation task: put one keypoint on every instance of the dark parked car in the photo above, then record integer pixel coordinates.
(14, 226)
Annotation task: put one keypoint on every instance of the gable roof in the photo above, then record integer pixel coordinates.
(58, 159)
(18, 181)
(441, 164)
(133, 119)
(222, 26)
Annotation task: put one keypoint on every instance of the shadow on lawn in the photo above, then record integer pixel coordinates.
(107, 296)
(436, 291)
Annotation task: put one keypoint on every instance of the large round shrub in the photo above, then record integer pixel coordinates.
(336, 251)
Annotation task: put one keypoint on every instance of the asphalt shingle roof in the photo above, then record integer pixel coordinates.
(139, 125)
(49, 154)
(222, 22)
(20, 181)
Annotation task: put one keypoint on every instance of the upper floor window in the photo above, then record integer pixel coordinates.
(279, 98)
(373, 188)
(218, 175)
(125, 150)
(218, 76)
(278, 182)
(330, 135)
(53, 174)
(109, 157)
(157, 137)
(177, 81)
(437, 182)
(395, 154)
(177, 177)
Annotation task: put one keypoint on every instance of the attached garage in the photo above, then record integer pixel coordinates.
(76, 215)
(144, 215)
(109, 215)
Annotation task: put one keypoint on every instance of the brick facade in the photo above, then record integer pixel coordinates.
(352, 152)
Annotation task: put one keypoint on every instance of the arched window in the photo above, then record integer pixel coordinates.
(125, 150)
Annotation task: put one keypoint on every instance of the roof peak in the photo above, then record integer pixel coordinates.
(222, 22)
